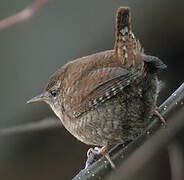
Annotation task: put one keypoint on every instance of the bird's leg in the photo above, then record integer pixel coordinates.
(102, 151)
(156, 113)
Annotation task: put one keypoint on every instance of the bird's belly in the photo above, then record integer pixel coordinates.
(112, 122)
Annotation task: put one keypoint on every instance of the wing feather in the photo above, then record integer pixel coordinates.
(103, 84)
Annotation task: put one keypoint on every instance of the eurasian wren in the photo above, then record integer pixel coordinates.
(109, 97)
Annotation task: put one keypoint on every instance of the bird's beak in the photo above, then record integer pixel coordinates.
(38, 98)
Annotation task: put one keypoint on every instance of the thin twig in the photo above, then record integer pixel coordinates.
(129, 156)
(47, 123)
(23, 15)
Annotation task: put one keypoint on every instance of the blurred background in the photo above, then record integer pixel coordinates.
(61, 31)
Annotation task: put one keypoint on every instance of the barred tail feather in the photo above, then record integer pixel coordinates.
(127, 49)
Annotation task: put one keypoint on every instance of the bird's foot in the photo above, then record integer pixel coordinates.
(91, 158)
(97, 151)
(156, 113)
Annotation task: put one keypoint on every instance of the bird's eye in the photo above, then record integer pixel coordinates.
(53, 93)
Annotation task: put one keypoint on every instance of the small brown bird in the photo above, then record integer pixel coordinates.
(109, 97)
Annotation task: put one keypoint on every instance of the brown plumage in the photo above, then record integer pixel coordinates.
(108, 97)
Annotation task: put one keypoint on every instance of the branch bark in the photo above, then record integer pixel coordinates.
(23, 15)
(134, 156)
